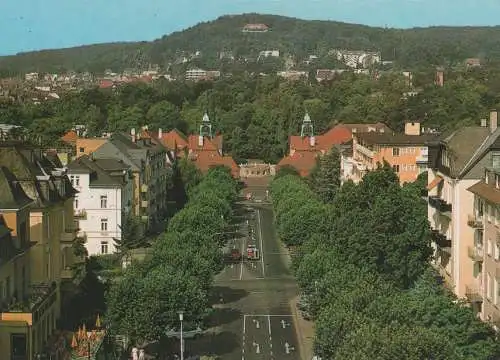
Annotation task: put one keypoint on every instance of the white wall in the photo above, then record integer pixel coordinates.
(89, 199)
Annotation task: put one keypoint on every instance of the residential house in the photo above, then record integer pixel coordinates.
(407, 153)
(305, 148)
(147, 159)
(86, 146)
(104, 200)
(204, 148)
(199, 74)
(255, 28)
(37, 256)
(458, 204)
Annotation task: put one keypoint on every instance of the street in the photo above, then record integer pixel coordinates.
(253, 319)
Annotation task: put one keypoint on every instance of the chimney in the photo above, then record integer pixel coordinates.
(484, 123)
(493, 120)
(312, 141)
(200, 141)
(160, 133)
(132, 135)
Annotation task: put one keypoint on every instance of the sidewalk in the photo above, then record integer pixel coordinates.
(305, 332)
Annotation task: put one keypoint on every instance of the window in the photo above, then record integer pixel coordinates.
(488, 212)
(77, 180)
(497, 215)
(497, 181)
(495, 159)
(104, 201)
(395, 168)
(395, 151)
(76, 203)
(497, 251)
(489, 286)
(486, 176)
(104, 247)
(104, 224)
(72, 179)
(82, 150)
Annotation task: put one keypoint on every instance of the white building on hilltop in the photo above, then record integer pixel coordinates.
(105, 194)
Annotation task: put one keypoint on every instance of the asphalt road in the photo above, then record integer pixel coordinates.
(253, 319)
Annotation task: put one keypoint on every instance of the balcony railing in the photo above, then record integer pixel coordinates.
(475, 253)
(439, 204)
(474, 294)
(475, 222)
(40, 299)
(441, 240)
(80, 214)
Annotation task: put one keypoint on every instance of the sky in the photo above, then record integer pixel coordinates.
(27, 25)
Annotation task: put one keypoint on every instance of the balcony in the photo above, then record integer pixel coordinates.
(440, 205)
(423, 159)
(475, 253)
(80, 214)
(475, 222)
(68, 235)
(31, 309)
(441, 240)
(474, 294)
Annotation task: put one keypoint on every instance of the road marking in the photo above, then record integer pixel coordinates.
(269, 325)
(241, 262)
(261, 244)
(244, 324)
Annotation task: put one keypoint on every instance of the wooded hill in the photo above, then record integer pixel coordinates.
(410, 48)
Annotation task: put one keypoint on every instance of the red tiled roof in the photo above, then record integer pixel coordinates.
(174, 139)
(335, 136)
(208, 144)
(105, 84)
(70, 137)
(205, 160)
(302, 161)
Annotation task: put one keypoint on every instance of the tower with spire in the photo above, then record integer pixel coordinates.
(205, 129)
(307, 129)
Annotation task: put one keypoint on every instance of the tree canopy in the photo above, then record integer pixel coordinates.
(145, 302)
(365, 269)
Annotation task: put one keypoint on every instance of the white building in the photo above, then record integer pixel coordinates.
(105, 194)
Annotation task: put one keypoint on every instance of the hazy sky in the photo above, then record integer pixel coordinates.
(40, 24)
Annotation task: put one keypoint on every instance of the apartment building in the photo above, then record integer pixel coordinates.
(149, 164)
(104, 200)
(36, 258)
(456, 164)
(407, 153)
(484, 252)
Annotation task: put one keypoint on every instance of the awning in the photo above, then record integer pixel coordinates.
(434, 182)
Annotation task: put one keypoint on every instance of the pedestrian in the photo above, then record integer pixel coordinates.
(134, 353)
(142, 354)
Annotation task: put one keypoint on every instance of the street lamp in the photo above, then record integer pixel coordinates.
(181, 318)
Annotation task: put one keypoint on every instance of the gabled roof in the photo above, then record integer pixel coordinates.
(464, 144)
(99, 177)
(481, 150)
(302, 161)
(205, 160)
(70, 137)
(374, 138)
(174, 139)
(208, 144)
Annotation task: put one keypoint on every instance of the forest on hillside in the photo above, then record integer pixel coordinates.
(257, 114)
(409, 48)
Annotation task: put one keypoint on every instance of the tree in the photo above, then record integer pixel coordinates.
(166, 116)
(325, 176)
(132, 234)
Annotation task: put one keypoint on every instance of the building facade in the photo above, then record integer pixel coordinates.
(104, 201)
(462, 212)
(149, 164)
(36, 201)
(407, 153)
